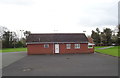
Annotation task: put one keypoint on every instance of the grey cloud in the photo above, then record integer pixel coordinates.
(101, 14)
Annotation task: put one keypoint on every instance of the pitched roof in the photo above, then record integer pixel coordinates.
(57, 37)
(90, 40)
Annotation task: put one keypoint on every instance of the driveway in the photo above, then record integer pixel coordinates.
(11, 57)
(64, 65)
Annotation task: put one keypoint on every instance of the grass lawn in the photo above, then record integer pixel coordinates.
(13, 49)
(96, 47)
(110, 51)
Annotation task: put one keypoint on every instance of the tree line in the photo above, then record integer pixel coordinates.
(11, 40)
(107, 37)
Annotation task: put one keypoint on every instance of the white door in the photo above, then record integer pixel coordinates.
(56, 48)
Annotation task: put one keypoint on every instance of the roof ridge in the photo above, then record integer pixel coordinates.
(54, 33)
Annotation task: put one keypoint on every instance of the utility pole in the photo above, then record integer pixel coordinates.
(21, 36)
(84, 32)
(21, 33)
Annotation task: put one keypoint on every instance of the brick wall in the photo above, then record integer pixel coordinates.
(83, 48)
(39, 49)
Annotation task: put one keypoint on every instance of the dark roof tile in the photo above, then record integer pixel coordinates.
(57, 37)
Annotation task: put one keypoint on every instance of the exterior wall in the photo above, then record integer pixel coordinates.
(39, 49)
(91, 50)
(83, 48)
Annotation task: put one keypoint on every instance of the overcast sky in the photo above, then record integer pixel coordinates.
(66, 16)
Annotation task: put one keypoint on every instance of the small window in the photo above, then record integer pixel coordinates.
(90, 46)
(68, 46)
(46, 45)
(77, 46)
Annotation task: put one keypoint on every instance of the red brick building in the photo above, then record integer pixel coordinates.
(59, 43)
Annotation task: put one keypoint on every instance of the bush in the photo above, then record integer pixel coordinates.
(19, 44)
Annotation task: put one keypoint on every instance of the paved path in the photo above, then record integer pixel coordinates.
(11, 57)
(8, 58)
(64, 65)
(106, 47)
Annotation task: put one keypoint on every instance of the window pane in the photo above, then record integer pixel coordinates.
(46, 45)
(77, 45)
(68, 46)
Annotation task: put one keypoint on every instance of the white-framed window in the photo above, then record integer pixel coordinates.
(77, 46)
(68, 46)
(46, 45)
(90, 46)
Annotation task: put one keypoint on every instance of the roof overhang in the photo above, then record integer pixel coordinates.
(52, 42)
(91, 44)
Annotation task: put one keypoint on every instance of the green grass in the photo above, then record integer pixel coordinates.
(96, 47)
(13, 50)
(110, 51)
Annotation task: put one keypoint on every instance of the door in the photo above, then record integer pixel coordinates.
(56, 48)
